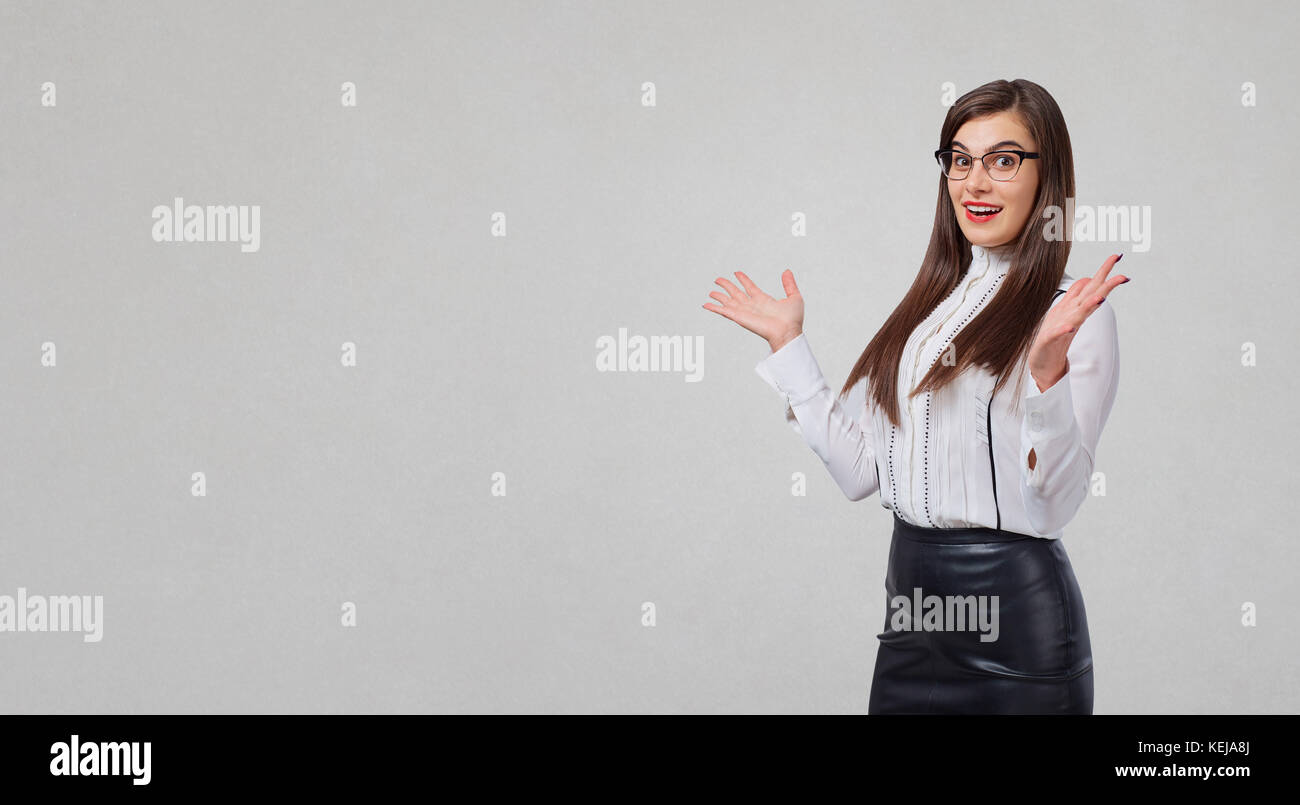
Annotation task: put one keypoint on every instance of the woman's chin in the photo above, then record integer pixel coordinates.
(986, 240)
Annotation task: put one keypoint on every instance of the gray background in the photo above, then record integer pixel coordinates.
(477, 354)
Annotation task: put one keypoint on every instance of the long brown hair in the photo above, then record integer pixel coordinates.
(1001, 335)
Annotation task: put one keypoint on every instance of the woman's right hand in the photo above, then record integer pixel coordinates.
(778, 321)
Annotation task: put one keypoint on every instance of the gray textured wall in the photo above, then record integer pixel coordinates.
(373, 484)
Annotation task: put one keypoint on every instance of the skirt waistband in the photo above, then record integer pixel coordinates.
(955, 536)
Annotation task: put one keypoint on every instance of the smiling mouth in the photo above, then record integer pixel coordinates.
(979, 213)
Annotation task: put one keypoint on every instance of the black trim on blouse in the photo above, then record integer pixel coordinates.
(988, 429)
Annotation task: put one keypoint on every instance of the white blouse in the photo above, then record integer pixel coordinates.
(955, 460)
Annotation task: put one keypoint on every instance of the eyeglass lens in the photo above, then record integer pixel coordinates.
(1000, 165)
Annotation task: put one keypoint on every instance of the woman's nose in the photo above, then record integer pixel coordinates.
(978, 176)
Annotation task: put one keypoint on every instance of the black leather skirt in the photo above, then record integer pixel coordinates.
(980, 620)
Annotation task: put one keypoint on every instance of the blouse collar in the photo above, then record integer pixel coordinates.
(998, 260)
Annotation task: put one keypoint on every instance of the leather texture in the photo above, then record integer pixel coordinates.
(1041, 661)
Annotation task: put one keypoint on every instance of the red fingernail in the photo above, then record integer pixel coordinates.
(1121, 257)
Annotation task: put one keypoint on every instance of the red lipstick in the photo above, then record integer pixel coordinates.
(986, 212)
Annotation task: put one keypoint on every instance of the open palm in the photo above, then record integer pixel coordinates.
(775, 320)
(1048, 355)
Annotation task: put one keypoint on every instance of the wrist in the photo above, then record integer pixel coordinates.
(783, 339)
(1045, 379)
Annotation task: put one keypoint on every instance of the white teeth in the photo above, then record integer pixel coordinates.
(982, 210)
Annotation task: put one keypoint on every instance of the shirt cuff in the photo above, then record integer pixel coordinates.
(793, 371)
(1049, 414)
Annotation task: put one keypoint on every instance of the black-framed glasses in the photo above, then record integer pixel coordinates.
(1000, 165)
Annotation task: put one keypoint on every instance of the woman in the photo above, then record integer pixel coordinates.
(975, 412)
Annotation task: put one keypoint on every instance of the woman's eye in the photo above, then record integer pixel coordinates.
(961, 161)
(1006, 161)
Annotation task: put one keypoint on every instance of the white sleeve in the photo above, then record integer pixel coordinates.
(1063, 424)
(843, 441)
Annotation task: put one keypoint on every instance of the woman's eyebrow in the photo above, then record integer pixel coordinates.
(995, 147)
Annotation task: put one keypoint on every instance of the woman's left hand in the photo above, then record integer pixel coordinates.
(1047, 356)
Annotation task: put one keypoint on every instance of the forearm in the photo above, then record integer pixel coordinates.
(814, 410)
(1057, 484)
